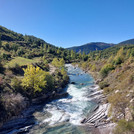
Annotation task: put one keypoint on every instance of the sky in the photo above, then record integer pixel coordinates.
(67, 23)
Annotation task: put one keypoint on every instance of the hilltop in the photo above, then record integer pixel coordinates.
(130, 41)
(93, 46)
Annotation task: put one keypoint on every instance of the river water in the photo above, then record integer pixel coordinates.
(63, 116)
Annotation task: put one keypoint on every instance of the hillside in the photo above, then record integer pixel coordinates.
(91, 47)
(28, 46)
(26, 74)
(130, 41)
(113, 69)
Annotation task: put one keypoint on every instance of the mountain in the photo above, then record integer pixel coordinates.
(93, 46)
(130, 41)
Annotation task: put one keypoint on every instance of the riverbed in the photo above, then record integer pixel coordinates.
(64, 116)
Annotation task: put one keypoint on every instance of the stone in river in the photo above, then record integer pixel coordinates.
(83, 120)
(73, 83)
(81, 83)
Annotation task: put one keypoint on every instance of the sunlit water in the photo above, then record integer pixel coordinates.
(63, 116)
(66, 113)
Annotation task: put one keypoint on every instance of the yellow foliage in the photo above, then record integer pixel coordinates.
(34, 79)
(58, 63)
(93, 67)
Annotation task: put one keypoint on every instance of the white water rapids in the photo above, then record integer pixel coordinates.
(62, 116)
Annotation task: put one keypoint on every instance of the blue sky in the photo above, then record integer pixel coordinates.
(68, 23)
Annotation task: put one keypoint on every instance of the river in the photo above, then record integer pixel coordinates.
(63, 116)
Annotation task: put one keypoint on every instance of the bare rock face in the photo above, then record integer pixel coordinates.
(128, 115)
(98, 81)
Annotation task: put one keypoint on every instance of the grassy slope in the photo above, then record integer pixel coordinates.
(21, 61)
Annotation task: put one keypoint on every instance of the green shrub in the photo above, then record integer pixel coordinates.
(107, 90)
(16, 84)
(93, 68)
(105, 69)
(118, 61)
(124, 127)
(103, 84)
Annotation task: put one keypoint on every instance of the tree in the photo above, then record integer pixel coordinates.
(62, 62)
(45, 48)
(58, 63)
(55, 62)
(73, 54)
(128, 53)
(119, 58)
(0, 43)
(34, 79)
(58, 51)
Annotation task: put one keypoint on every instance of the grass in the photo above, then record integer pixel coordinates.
(21, 61)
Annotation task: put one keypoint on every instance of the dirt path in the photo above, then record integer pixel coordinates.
(52, 69)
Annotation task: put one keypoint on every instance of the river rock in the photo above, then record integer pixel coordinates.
(128, 115)
(65, 118)
(60, 95)
(73, 83)
(97, 81)
(81, 83)
(83, 120)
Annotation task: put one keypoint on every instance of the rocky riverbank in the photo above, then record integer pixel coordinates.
(26, 117)
(98, 120)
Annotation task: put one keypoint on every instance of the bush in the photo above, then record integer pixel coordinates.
(93, 68)
(11, 105)
(103, 84)
(16, 69)
(105, 69)
(84, 65)
(107, 90)
(16, 84)
(118, 102)
(60, 78)
(118, 61)
(124, 127)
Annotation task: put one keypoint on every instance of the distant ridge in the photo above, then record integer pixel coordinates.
(93, 46)
(130, 41)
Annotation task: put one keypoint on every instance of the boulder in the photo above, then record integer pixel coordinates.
(83, 121)
(81, 83)
(73, 83)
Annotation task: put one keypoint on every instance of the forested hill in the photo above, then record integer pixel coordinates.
(31, 71)
(91, 47)
(130, 41)
(9, 35)
(27, 46)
